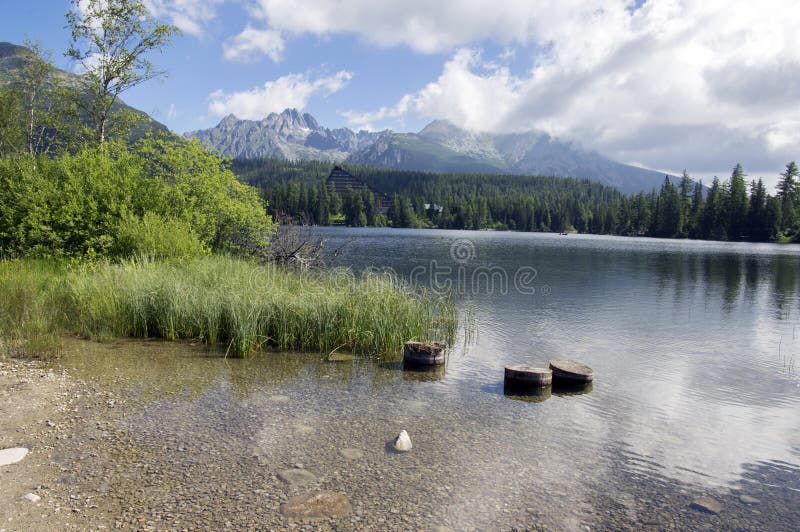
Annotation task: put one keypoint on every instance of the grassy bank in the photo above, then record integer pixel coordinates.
(217, 300)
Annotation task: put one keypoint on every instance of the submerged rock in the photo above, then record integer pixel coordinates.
(279, 398)
(352, 454)
(317, 505)
(747, 499)
(303, 429)
(707, 504)
(297, 477)
(12, 455)
(403, 442)
(341, 357)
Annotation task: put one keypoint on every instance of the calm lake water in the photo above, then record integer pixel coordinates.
(696, 352)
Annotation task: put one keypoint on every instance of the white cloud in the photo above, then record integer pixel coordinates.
(292, 90)
(191, 16)
(700, 84)
(251, 43)
(367, 120)
(172, 112)
(429, 25)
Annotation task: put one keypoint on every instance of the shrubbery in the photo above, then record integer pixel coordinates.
(157, 237)
(161, 197)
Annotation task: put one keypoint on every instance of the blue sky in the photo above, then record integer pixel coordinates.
(196, 67)
(696, 84)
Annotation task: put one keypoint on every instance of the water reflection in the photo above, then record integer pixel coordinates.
(416, 373)
(527, 394)
(689, 338)
(567, 389)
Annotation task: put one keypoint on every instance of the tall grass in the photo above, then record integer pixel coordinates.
(238, 303)
(29, 321)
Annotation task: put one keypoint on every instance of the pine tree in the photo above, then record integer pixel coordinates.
(685, 188)
(738, 204)
(696, 213)
(714, 215)
(668, 211)
(788, 193)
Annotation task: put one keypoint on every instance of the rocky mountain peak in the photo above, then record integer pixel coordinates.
(441, 128)
(229, 120)
(441, 146)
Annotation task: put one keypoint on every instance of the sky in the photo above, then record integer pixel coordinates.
(664, 84)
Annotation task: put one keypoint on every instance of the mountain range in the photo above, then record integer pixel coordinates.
(440, 147)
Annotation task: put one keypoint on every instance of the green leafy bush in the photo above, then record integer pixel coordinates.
(157, 237)
(89, 203)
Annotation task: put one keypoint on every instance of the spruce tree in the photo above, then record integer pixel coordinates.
(737, 205)
(788, 193)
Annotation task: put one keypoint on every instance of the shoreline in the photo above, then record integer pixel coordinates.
(137, 446)
(53, 414)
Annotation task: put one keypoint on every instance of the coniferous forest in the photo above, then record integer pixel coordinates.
(736, 208)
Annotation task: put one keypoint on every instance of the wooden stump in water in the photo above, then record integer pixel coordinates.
(424, 353)
(571, 371)
(522, 375)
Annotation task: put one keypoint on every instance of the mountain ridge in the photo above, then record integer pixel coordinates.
(289, 135)
(440, 146)
(13, 57)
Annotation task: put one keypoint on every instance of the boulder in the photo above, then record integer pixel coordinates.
(317, 505)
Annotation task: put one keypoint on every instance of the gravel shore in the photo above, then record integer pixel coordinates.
(180, 443)
(52, 414)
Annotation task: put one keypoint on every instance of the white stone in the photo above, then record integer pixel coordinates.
(12, 455)
(32, 497)
(403, 443)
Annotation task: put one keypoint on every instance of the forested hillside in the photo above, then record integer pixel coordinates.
(734, 209)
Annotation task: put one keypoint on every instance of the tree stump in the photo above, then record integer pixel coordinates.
(522, 375)
(569, 371)
(424, 353)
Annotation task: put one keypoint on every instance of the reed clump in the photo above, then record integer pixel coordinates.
(222, 300)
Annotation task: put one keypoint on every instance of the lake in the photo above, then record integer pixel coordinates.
(696, 356)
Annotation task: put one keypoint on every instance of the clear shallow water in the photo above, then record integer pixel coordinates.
(694, 345)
